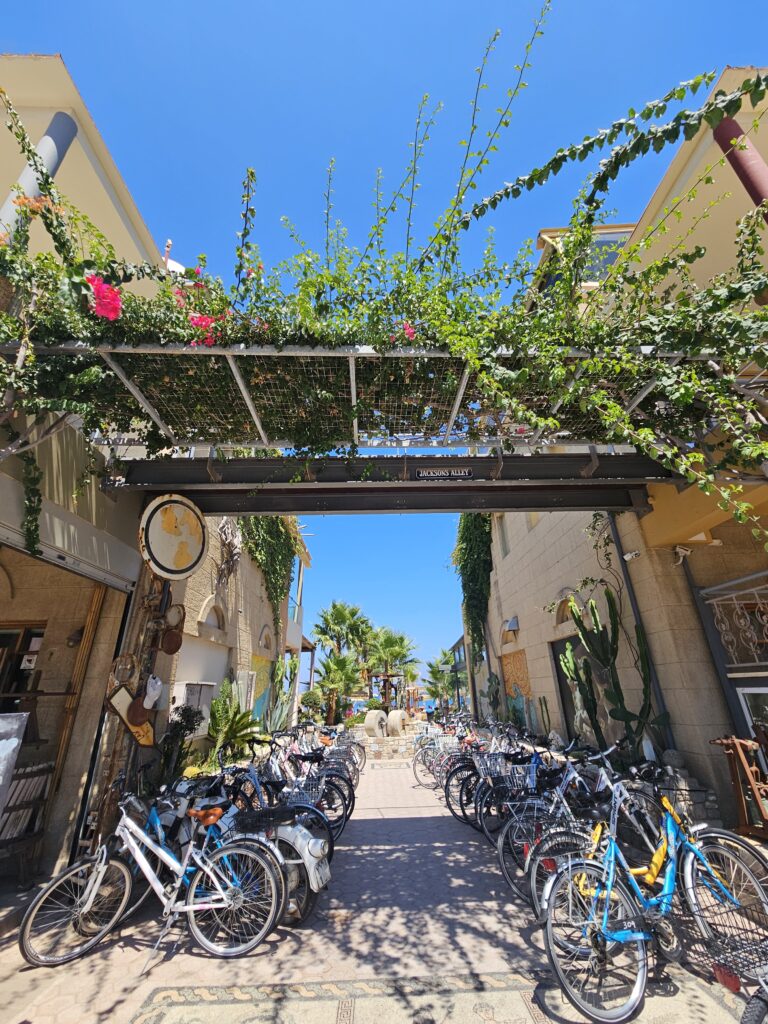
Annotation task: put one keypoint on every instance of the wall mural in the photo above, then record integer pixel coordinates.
(262, 668)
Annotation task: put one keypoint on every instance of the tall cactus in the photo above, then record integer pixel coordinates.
(602, 645)
(580, 673)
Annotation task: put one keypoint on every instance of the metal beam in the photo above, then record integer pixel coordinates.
(353, 396)
(144, 402)
(377, 484)
(247, 397)
(457, 402)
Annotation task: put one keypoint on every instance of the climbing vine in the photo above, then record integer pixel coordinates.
(271, 543)
(547, 357)
(472, 558)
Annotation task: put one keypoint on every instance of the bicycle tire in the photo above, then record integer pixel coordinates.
(756, 1010)
(467, 796)
(510, 868)
(708, 905)
(422, 771)
(453, 786)
(107, 907)
(574, 893)
(241, 927)
(334, 807)
(344, 784)
(546, 858)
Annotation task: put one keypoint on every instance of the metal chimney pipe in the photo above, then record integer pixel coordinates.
(52, 148)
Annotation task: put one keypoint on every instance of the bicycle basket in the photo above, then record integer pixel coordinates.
(491, 766)
(305, 791)
(521, 776)
(738, 941)
(447, 744)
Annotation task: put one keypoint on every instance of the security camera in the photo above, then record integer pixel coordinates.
(682, 553)
(630, 555)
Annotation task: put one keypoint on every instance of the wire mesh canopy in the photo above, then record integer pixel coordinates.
(264, 397)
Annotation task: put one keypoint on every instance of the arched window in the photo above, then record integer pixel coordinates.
(215, 617)
(562, 614)
(265, 640)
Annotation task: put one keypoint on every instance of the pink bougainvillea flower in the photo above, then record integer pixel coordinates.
(408, 331)
(205, 323)
(198, 271)
(392, 339)
(107, 301)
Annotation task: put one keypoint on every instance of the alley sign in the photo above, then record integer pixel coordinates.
(449, 473)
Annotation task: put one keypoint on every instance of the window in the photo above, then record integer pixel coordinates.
(19, 647)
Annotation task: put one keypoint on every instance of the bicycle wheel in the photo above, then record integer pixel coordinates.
(360, 755)
(713, 909)
(422, 768)
(334, 807)
(756, 1010)
(251, 900)
(467, 796)
(510, 869)
(56, 928)
(547, 857)
(346, 787)
(453, 786)
(492, 812)
(603, 980)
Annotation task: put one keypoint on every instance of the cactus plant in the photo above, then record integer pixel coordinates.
(580, 673)
(602, 645)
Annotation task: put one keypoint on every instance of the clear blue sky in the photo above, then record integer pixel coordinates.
(188, 95)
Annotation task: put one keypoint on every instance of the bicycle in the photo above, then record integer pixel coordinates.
(230, 896)
(599, 923)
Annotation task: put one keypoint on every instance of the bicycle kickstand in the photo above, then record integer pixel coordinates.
(155, 951)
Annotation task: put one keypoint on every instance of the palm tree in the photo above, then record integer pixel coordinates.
(440, 685)
(341, 627)
(338, 676)
(390, 653)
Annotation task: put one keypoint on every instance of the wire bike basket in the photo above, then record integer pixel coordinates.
(738, 941)
(491, 766)
(306, 790)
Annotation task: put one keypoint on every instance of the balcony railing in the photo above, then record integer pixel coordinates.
(739, 611)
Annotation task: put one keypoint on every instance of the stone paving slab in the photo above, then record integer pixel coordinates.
(417, 925)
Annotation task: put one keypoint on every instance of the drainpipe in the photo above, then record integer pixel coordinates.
(52, 149)
(748, 165)
(658, 695)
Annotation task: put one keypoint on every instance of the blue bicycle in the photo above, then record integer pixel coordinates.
(599, 922)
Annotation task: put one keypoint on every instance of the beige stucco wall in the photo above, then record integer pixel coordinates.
(33, 592)
(549, 557)
(248, 620)
(549, 554)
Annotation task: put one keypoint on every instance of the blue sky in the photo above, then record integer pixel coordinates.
(187, 95)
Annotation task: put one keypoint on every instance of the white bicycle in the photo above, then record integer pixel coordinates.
(231, 896)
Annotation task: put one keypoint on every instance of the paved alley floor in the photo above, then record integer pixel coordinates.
(416, 926)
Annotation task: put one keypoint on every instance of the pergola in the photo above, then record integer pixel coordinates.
(265, 397)
(218, 407)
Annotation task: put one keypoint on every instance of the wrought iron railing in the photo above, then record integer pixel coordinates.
(739, 611)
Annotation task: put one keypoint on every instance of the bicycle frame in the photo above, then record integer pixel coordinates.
(135, 839)
(673, 842)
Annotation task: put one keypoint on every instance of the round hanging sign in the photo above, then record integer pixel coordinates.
(173, 538)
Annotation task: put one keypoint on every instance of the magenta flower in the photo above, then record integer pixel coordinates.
(107, 301)
(408, 331)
